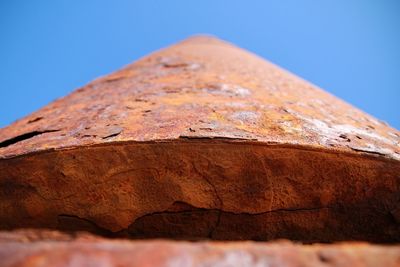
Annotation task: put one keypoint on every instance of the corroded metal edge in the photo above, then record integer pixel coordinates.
(215, 140)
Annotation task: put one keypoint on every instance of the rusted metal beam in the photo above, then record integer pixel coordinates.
(203, 140)
(49, 249)
(200, 88)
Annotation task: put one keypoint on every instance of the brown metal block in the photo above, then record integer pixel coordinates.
(202, 140)
(49, 249)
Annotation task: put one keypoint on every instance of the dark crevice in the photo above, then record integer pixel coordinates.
(111, 135)
(175, 65)
(233, 213)
(367, 151)
(23, 137)
(217, 138)
(35, 119)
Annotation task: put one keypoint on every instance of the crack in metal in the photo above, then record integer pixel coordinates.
(25, 136)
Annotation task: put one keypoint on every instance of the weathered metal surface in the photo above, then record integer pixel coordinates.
(49, 249)
(203, 88)
(207, 137)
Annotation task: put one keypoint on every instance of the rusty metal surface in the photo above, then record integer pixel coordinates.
(204, 189)
(200, 88)
(49, 248)
(202, 140)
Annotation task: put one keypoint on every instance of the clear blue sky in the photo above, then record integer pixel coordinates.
(349, 48)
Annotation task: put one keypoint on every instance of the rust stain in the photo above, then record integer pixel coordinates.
(202, 87)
